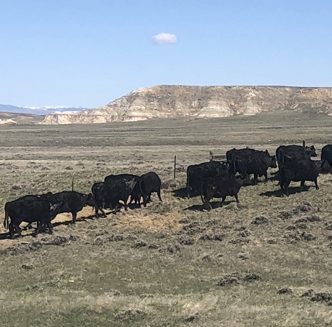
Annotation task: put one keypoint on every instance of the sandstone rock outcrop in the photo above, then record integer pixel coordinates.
(173, 101)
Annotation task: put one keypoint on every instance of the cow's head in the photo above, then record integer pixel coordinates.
(310, 151)
(273, 161)
(89, 200)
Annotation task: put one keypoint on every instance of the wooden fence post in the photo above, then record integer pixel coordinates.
(211, 156)
(72, 183)
(174, 170)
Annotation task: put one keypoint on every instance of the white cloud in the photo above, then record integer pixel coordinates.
(162, 38)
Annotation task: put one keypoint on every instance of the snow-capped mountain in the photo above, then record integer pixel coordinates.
(40, 111)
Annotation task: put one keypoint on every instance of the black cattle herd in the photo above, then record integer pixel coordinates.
(213, 179)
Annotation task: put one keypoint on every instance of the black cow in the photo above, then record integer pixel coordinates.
(32, 197)
(124, 177)
(297, 171)
(326, 154)
(294, 152)
(118, 188)
(220, 188)
(146, 185)
(30, 208)
(98, 191)
(196, 174)
(231, 154)
(72, 201)
(250, 161)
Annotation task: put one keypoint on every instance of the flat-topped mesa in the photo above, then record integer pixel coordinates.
(174, 101)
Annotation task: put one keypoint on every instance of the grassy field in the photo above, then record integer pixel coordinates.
(264, 262)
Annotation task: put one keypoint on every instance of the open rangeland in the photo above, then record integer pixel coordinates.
(264, 262)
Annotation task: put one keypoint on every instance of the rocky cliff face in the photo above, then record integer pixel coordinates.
(171, 101)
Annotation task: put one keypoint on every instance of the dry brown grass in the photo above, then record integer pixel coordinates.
(160, 265)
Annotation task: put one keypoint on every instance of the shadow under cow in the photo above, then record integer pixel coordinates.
(279, 194)
(203, 207)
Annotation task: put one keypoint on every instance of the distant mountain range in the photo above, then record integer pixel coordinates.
(40, 111)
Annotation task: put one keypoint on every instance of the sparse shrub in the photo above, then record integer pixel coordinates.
(140, 244)
(313, 218)
(284, 215)
(260, 220)
(232, 279)
(285, 290)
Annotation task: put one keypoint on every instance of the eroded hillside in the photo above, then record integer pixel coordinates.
(170, 101)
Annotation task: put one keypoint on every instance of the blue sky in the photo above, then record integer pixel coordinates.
(89, 52)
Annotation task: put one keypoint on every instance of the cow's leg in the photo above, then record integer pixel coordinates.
(118, 206)
(145, 200)
(132, 199)
(188, 189)
(207, 205)
(237, 198)
(103, 212)
(206, 202)
(255, 179)
(286, 185)
(29, 226)
(222, 200)
(43, 225)
(74, 214)
(18, 229)
(38, 224)
(159, 196)
(115, 207)
(265, 176)
(302, 185)
(50, 227)
(125, 204)
(188, 192)
(11, 230)
(38, 228)
(96, 211)
(137, 200)
(316, 184)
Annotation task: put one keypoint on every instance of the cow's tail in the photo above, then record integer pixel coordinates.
(6, 221)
